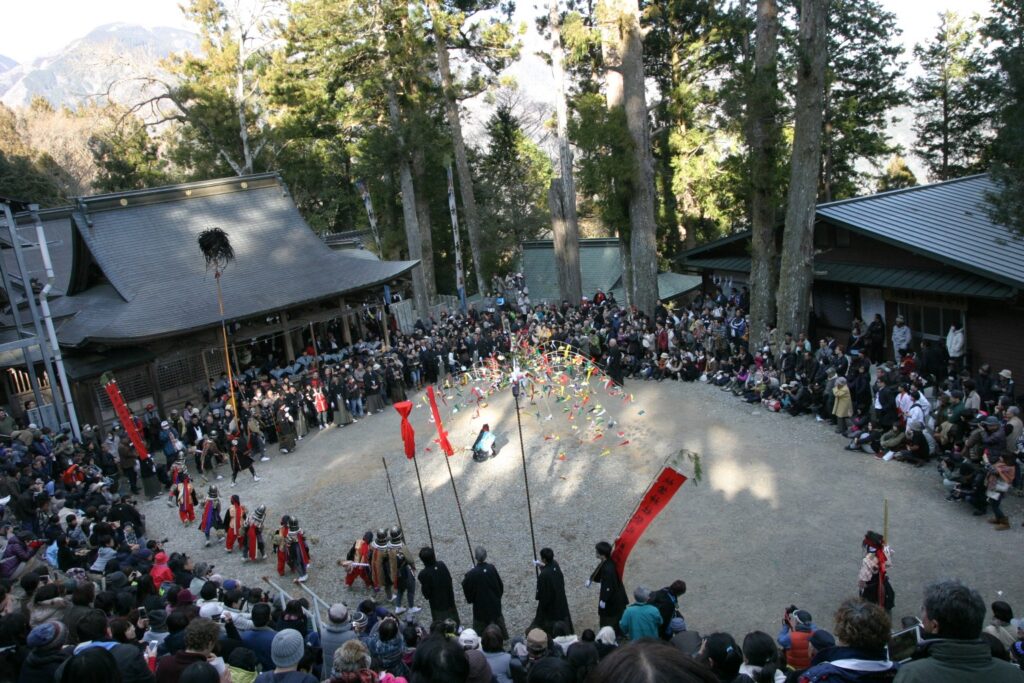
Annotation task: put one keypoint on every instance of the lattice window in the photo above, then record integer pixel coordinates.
(134, 385)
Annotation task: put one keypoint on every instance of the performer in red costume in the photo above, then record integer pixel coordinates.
(234, 520)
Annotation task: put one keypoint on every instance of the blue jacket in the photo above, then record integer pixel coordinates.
(849, 665)
(640, 620)
(259, 641)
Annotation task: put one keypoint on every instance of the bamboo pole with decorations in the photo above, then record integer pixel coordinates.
(218, 253)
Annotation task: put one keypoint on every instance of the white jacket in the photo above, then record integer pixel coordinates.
(955, 342)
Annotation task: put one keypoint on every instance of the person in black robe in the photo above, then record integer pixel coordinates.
(614, 367)
(436, 587)
(483, 589)
(552, 604)
(240, 460)
(613, 599)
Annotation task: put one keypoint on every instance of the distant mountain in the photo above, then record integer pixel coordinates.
(6, 64)
(107, 60)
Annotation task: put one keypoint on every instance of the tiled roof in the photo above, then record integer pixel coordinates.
(145, 244)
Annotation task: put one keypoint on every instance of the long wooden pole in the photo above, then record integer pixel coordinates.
(458, 505)
(423, 500)
(526, 478)
(227, 356)
(391, 490)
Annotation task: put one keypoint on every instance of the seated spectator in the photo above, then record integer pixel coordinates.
(351, 664)
(582, 655)
(93, 665)
(501, 663)
(1000, 627)
(287, 650)
(261, 637)
(722, 654)
(93, 632)
(242, 664)
(862, 634)
(201, 637)
(761, 660)
(953, 616)
(45, 652)
(650, 661)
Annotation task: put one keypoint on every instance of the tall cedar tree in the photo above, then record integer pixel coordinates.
(949, 118)
(796, 272)
(1004, 28)
(862, 88)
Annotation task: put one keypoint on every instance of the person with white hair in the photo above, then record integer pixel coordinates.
(842, 407)
(641, 619)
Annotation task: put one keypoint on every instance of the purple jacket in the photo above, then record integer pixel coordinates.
(15, 553)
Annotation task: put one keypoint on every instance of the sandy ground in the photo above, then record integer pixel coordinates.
(777, 519)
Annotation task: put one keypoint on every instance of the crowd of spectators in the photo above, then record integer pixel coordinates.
(86, 595)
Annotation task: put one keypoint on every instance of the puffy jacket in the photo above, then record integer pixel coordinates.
(958, 661)
(15, 553)
(848, 665)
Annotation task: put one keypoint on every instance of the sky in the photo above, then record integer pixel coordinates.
(66, 20)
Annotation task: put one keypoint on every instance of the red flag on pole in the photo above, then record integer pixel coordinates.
(658, 494)
(117, 401)
(442, 435)
(408, 434)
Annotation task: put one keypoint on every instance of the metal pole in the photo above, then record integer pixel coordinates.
(44, 253)
(458, 505)
(526, 478)
(18, 325)
(391, 490)
(423, 500)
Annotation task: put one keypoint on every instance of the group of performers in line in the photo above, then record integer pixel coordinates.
(239, 527)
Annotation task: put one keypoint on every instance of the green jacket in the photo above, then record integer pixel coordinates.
(958, 661)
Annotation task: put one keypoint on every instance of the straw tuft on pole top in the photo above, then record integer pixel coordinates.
(216, 248)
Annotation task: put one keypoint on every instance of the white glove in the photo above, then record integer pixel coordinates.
(589, 583)
(601, 604)
(536, 562)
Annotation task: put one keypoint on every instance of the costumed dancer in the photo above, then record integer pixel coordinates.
(211, 518)
(397, 553)
(290, 544)
(233, 522)
(177, 469)
(873, 578)
(357, 562)
(254, 534)
(240, 460)
(285, 429)
(186, 498)
(379, 559)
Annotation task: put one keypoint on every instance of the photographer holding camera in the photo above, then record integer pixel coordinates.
(795, 637)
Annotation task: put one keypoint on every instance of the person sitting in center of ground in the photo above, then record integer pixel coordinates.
(483, 447)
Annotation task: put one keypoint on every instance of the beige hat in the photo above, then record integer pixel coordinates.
(1005, 374)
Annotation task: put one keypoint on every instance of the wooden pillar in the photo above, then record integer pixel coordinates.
(384, 324)
(346, 331)
(289, 349)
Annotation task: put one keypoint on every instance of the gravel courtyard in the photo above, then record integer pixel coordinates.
(777, 519)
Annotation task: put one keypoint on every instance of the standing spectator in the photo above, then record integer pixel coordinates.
(953, 616)
(900, 338)
(483, 589)
(613, 600)
(552, 604)
(666, 601)
(842, 408)
(436, 586)
(876, 338)
(641, 619)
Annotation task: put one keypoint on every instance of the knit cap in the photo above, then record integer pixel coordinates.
(287, 648)
(50, 635)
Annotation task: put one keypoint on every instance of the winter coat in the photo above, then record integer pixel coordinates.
(641, 620)
(333, 637)
(848, 665)
(41, 665)
(957, 661)
(843, 406)
(613, 600)
(436, 586)
(552, 604)
(955, 342)
(901, 336)
(14, 555)
(47, 610)
(483, 589)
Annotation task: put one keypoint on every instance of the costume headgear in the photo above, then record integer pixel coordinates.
(397, 539)
(260, 514)
(293, 525)
(212, 492)
(382, 537)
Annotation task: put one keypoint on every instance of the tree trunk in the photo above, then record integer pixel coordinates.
(567, 251)
(423, 219)
(627, 271)
(451, 108)
(643, 226)
(412, 228)
(763, 142)
(796, 275)
(567, 244)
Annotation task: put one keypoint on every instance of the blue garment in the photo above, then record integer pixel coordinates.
(259, 640)
(641, 620)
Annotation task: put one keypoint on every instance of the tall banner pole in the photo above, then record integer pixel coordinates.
(460, 278)
(448, 451)
(403, 408)
(121, 409)
(516, 387)
(391, 490)
(364, 192)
